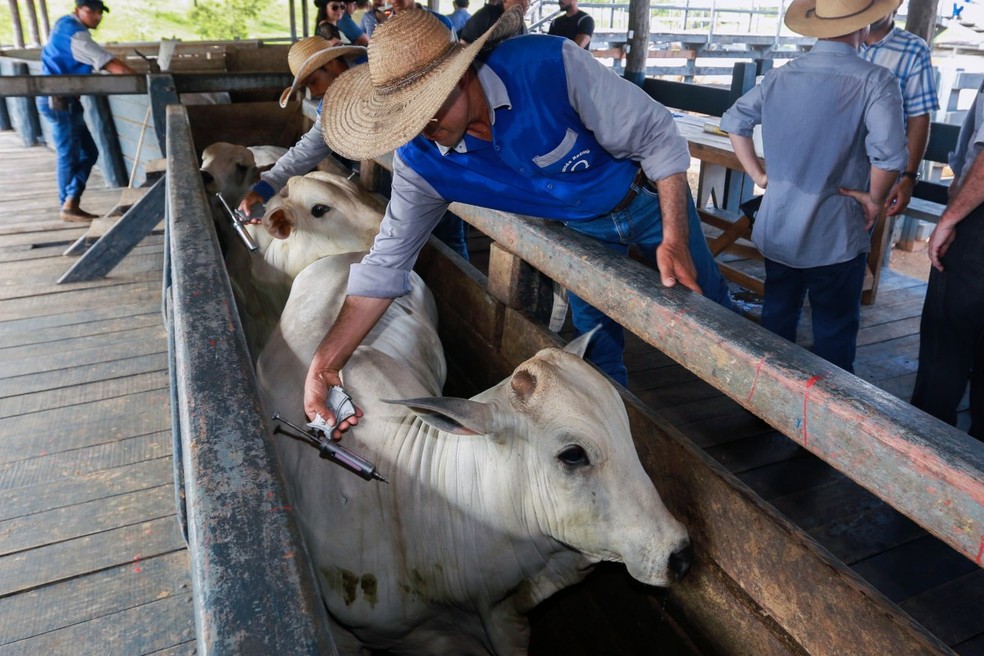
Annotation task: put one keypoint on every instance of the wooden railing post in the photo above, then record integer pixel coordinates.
(516, 284)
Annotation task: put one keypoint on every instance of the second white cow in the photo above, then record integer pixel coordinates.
(313, 216)
(493, 503)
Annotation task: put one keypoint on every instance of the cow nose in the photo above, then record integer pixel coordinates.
(207, 178)
(680, 560)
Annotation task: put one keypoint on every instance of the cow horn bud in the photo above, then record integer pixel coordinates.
(523, 383)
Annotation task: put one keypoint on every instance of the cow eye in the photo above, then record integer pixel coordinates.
(574, 456)
(319, 210)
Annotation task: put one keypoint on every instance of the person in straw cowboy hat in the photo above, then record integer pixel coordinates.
(834, 144)
(539, 128)
(315, 65)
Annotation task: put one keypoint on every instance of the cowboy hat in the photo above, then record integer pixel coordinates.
(414, 64)
(308, 55)
(825, 19)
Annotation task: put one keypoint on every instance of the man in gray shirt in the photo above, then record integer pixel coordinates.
(951, 333)
(834, 143)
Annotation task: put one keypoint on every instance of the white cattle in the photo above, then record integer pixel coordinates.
(493, 504)
(313, 216)
(316, 215)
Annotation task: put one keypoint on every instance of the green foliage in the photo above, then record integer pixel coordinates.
(225, 19)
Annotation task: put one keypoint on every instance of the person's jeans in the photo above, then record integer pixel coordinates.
(835, 301)
(951, 332)
(76, 150)
(452, 230)
(641, 223)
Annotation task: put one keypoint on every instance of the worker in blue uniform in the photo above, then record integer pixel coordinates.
(71, 51)
(539, 128)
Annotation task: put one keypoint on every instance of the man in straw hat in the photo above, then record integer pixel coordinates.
(834, 144)
(315, 65)
(539, 128)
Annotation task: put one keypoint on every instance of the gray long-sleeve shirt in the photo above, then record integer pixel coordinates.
(302, 157)
(827, 117)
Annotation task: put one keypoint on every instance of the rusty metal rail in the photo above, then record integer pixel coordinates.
(254, 589)
(925, 469)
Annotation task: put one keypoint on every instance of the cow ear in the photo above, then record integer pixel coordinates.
(458, 416)
(579, 345)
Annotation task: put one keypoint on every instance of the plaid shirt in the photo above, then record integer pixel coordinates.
(907, 55)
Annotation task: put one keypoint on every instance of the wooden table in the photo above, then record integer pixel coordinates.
(720, 187)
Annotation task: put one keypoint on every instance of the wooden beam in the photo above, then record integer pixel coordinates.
(119, 240)
(927, 470)
(247, 557)
(71, 85)
(15, 18)
(921, 19)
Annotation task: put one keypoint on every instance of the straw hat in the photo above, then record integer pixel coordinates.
(830, 18)
(414, 64)
(308, 55)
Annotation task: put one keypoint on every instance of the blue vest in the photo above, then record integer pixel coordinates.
(56, 57)
(542, 160)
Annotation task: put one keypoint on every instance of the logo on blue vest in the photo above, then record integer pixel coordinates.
(577, 163)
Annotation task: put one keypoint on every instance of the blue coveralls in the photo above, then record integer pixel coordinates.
(76, 150)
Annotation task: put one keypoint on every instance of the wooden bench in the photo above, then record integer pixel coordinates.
(735, 238)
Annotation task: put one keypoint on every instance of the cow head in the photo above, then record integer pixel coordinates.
(228, 169)
(585, 486)
(332, 213)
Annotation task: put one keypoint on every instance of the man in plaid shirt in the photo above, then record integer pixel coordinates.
(906, 55)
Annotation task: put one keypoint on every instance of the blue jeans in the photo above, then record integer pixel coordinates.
(452, 230)
(835, 300)
(77, 152)
(641, 223)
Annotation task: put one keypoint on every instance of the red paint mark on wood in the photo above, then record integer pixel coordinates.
(806, 401)
(136, 564)
(758, 372)
(980, 552)
(211, 342)
(280, 509)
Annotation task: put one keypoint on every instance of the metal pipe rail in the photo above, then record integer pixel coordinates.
(925, 469)
(254, 589)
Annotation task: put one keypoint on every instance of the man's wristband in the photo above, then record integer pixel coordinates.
(910, 174)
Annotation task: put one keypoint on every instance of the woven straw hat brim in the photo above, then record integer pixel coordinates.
(360, 123)
(316, 61)
(801, 17)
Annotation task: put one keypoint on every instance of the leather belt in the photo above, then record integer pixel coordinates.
(638, 182)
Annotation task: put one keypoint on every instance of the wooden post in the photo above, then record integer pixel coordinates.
(518, 285)
(293, 21)
(162, 93)
(15, 18)
(45, 20)
(32, 19)
(304, 18)
(28, 121)
(921, 19)
(638, 45)
(5, 123)
(100, 117)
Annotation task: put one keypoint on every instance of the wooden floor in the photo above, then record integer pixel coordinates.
(91, 556)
